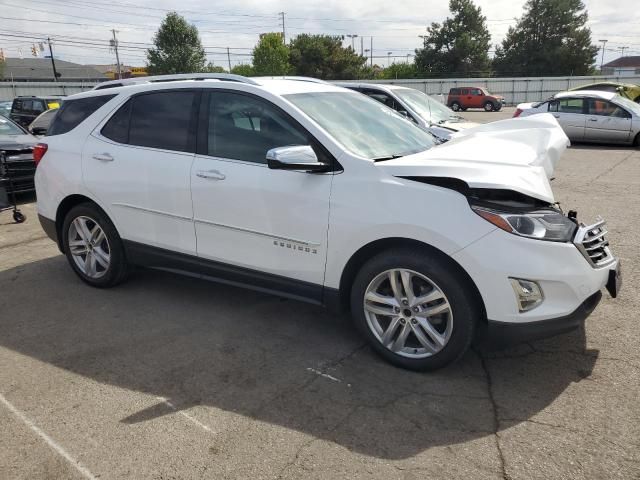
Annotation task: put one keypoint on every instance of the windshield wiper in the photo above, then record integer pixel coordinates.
(388, 157)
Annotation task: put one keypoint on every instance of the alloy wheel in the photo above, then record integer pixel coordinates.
(408, 313)
(89, 247)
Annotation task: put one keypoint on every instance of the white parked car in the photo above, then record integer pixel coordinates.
(591, 116)
(421, 109)
(321, 194)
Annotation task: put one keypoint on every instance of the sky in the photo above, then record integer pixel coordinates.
(80, 29)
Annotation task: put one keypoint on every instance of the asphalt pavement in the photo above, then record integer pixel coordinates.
(167, 377)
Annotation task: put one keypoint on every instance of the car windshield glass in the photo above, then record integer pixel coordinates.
(363, 126)
(9, 128)
(429, 109)
(628, 104)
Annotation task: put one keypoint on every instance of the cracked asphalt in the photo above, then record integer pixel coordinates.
(168, 377)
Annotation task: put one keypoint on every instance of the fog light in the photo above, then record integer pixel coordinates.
(528, 294)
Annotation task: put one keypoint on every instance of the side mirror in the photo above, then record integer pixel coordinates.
(404, 113)
(295, 157)
(38, 130)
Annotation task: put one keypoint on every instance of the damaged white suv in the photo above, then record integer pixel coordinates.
(318, 193)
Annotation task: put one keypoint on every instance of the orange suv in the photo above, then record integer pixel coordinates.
(461, 98)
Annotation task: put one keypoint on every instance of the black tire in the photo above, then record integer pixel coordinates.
(117, 269)
(465, 307)
(488, 107)
(637, 99)
(636, 141)
(456, 107)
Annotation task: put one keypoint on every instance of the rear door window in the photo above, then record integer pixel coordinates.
(164, 120)
(73, 112)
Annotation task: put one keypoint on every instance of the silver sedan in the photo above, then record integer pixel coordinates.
(591, 116)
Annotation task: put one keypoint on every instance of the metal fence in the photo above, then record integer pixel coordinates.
(10, 90)
(514, 90)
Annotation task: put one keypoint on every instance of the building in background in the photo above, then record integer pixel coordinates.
(40, 70)
(111, 71)
(623, 66)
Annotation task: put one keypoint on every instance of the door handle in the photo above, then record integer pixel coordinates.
(103, 157)
(210, 174)
(593, 119)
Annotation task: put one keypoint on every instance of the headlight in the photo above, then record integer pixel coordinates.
(542, 224)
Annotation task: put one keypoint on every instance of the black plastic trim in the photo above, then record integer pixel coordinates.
(49, 227)
(167, 260)
(505, 333)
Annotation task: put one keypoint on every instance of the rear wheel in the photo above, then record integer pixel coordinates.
(414, 308)
(455, 106)
(636, 142)
(488, 107)
(93, 247)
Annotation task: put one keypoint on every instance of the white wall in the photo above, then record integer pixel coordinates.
(514, 90)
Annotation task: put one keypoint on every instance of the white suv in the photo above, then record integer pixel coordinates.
(318, 193)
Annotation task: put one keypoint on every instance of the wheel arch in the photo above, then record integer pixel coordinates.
(65, 206)
(368, 251)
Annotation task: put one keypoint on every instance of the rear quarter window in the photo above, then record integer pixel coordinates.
(73, 112)
(454, 91)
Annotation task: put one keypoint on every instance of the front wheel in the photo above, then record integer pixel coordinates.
(415, 309)
(93, 247)
(455, 106)
(488, 107)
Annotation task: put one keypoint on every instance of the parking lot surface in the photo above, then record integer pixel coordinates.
(168, 377)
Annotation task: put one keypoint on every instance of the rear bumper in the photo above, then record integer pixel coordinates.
(500, 334)
(49, 227)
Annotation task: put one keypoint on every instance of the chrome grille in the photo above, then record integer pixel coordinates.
(593, 244)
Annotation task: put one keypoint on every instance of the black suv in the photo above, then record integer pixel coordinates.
(25, 109)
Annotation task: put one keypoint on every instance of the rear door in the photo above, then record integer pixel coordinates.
(570, 113)
(607, 122)
(138, 165)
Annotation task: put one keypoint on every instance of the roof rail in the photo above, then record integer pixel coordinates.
(171, 78)
(296, 78)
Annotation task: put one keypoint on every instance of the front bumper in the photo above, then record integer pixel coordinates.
(565, 276)
(500, 334)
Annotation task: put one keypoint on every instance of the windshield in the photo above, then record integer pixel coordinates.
(363, 126)
(628, 104)
(429, 109)
(9, 128)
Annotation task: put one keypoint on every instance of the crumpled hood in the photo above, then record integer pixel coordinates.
(518, 154)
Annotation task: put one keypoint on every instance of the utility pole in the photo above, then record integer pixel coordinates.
(114, 44)
(424, 40)
(389, 59)
(229, 59)
(53, 63)
(352, 36)
(371, 48)
(604, 42)
(622, 49)
(361, 46)
(284, 40)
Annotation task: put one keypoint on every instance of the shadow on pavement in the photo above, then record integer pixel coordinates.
(198, 343)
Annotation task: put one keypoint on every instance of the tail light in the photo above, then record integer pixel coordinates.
(38, 152)
(517, 113)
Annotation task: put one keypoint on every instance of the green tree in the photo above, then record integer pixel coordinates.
(211, 68)
(243, 69)
(177, 48)
(323, 56)
(550, 39)
(458, 47)
(271, 56)
(400, 70)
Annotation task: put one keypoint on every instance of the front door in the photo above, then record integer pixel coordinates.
(138, 165)
(570, 115)
(607, 122)
(250, 216)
